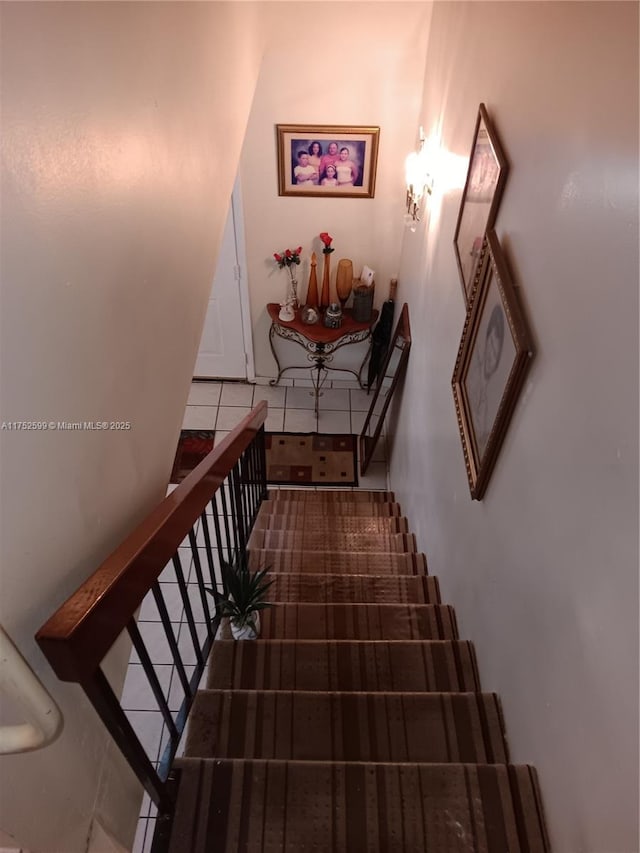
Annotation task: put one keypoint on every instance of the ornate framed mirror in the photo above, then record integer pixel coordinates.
(393, 368)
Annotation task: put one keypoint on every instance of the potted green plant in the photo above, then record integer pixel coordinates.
(246, 592)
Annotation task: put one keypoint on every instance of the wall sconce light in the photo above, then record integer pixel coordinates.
(419, 180)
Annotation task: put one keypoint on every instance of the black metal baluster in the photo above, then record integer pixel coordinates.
(198, 568)
(209, 553)
(104, 700)
(225, 517)
(242, 481)
(239, 521)
(216, 524)
(262, 463)
(171, 639)
(150, 672)
(184, 592)
(251, 476)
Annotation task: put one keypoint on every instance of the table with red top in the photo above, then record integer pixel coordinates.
(319, 343)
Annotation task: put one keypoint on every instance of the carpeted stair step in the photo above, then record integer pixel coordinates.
(356, 589)
(307, 726)
(312, 540)
(326, 807)
(330, 496)
(389, 666)
(307, 621)
(338, 562)
(307, 508)
(330, 525)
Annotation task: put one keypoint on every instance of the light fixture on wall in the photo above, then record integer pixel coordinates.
(419, 180)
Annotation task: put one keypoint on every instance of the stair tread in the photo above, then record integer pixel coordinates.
(330, 495)
(347, 726)
(310, 620)
(337, 807)
(369, 524)
(311, 509)
(350, 562)
(349, 588)
(387, 665)
(312, 540)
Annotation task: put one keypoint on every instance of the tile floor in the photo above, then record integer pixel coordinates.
(343, 408)
(220, 406)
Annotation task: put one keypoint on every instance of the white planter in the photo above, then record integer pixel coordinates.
(246, 632)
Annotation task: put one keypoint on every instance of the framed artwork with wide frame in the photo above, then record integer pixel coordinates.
(483, 188)
(327, 160)
(493, 358)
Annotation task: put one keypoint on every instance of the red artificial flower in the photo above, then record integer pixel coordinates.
(327, 240)
(298, 250)
(277, 257)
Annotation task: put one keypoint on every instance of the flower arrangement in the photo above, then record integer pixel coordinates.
(290, 258)
(327, 239)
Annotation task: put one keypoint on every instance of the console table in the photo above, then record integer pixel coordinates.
(319, 343)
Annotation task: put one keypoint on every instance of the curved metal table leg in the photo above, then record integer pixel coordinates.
(272, 333)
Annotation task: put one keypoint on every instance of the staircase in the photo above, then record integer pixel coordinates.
(356, 722)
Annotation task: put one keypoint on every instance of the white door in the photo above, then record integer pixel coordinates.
(226, 337)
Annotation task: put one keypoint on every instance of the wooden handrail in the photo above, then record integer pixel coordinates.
(80, 633)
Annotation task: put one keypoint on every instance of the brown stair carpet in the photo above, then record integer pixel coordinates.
(330, 496)
(343, 665)
(308, 726)
(409, 589)
(355, 724)
(307, 621)
(330, 525)
(311, 540)
(364, 508)
(227, 806)
(334, 562)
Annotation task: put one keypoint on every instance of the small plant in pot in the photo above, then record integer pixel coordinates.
(245, 599)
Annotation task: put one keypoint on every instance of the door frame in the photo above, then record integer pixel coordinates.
(243, 284)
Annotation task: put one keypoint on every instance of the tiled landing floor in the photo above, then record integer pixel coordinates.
(222, 405)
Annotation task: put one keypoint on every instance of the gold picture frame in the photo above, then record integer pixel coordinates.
(486, 176)
(493, 358)
(327, 160)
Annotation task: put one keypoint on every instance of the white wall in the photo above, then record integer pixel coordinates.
(121, 131)
(363, 67)
(544, 571)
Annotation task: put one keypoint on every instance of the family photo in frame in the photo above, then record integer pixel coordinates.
(325, 160)
(493, 358)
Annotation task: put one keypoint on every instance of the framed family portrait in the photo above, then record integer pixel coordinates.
(324, 160)
(486, 177)
(493, 358)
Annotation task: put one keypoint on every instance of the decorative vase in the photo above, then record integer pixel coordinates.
(344, 280)
(312, 292)
(325, 298)
(245, 631)
(293, 298)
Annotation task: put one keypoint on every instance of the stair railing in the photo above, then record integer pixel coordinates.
(213, 509)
